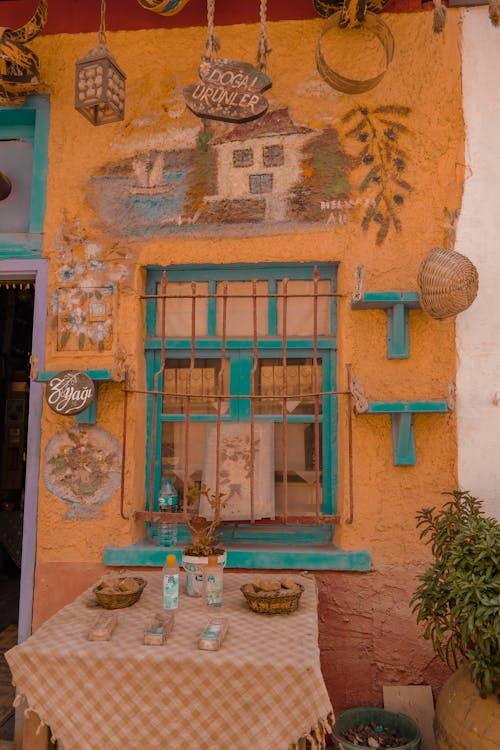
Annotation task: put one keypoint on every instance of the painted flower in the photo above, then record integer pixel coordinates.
(96, 266)
(66, 273)
(100, 330)
(76, 322)
(92, 250)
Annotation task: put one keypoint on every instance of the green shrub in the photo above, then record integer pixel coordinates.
(458, 598)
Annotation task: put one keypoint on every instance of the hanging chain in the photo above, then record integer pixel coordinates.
(263, 49)
(102, 25)
(212, 42)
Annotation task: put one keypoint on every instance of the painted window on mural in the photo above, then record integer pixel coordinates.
(243, 157)
(261, 183)
(273, 156)
(245, 384)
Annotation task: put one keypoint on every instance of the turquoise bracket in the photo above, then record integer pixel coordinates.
(397, 306)
(89, 415)
(403, 438)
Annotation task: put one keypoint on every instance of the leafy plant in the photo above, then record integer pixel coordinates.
(458, 598)
(379, 132)
(204, 533)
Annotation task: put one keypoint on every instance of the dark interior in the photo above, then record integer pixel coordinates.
(16, 327)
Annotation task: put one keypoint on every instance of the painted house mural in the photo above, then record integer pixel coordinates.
(322, 179)
(257, 165)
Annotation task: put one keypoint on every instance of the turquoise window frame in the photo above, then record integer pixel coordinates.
(268, 546)
(30, 122)
(240, 365)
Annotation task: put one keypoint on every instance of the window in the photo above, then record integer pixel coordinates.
(273, 156)
(261, 183)
(242, 157)
(248, 359)
(241, 390)
(23, 160)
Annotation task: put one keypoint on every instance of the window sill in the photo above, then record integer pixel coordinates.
(249, 555)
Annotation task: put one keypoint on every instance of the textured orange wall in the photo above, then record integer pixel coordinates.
(425, 76)
(367, 612)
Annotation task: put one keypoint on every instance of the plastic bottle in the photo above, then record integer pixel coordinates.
(168, 501)
(213, 582)
(171, 583)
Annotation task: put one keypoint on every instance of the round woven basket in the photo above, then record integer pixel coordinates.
(273, 602)
(119, 599)
(448, 283)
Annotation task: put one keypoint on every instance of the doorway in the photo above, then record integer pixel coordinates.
(23, 310)
(16, 333)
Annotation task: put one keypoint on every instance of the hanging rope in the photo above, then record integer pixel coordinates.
(213, 42)
(102, 25)
(439, 17)
(263, 49)
(353, 14)
(494, 12)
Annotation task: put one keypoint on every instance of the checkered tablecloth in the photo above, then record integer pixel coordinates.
(262, 691)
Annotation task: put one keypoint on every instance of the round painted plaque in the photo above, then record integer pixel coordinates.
(70, 392)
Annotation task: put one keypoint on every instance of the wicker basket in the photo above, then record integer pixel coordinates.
(119, 599)
(272, 602)
(448, 283)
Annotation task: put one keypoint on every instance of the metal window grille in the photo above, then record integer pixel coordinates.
(309, 390)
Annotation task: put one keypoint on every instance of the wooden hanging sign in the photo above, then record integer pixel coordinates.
(70, 392)
(229, 90)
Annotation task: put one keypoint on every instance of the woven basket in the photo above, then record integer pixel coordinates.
(448, 283)
(272, 602)
(119, 599)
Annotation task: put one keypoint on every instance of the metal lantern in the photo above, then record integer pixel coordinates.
(100, 83)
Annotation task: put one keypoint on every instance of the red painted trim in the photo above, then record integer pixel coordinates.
(74, 16)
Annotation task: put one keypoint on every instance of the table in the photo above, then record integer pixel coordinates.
(263, 690)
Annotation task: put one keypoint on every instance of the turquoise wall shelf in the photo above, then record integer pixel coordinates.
(397, 306)
(403, 438)
(89, 415)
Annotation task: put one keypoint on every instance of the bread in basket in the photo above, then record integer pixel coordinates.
(272, 597)
(119, 591)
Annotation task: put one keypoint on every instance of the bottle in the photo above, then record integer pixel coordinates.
(170, 583)
(168, 501)
(213, 582)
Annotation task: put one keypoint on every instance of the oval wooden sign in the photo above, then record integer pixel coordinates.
(229, 90)
(70, 392)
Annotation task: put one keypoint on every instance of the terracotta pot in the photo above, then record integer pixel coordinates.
(463, 719)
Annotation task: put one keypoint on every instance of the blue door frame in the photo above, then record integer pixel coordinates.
(37, 272)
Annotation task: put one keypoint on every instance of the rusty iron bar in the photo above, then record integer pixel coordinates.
(273, 295)
(152, 477)
(124, 449)
(317, 493)
(284, 402)
(256, 397)
(253, 376)
(220, 383)
(350, 517)
(187, 399)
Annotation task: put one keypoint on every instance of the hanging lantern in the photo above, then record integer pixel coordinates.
(100, 82)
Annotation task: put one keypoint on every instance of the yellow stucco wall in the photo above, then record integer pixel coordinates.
(425, 76)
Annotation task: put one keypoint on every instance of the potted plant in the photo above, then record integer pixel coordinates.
(204, 537)
(458, 601)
